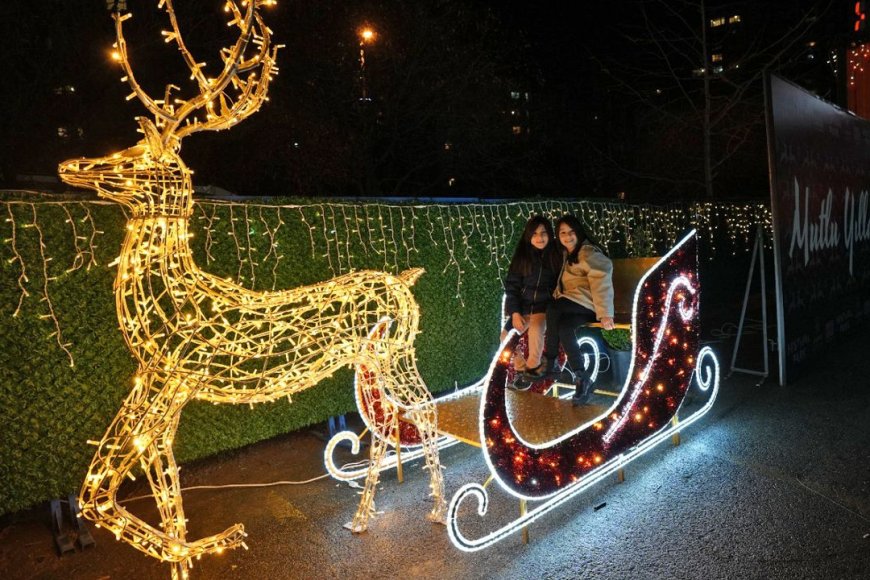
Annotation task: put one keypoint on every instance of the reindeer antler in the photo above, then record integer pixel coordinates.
(240, 73)
(159, 109)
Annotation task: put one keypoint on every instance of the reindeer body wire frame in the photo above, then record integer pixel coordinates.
(196, 336)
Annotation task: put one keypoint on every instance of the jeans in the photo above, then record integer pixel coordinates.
(534, 334)
(563, 318)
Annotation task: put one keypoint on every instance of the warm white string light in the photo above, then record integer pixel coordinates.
(356, 236)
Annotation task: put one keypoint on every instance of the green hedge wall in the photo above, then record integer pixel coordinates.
(57, 308)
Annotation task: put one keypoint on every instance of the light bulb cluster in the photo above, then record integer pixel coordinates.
(857, 61)
(859, 82)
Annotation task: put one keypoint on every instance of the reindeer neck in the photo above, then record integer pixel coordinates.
(155, 242)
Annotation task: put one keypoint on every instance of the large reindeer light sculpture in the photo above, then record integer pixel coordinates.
(197, 336)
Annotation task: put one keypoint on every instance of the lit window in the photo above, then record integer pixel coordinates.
(515, 95)
(716, 57)
(716, 22)
(734, 19)
(518, 130)
(62, 132)
(717, 69)
(451, 182)
(448, 146)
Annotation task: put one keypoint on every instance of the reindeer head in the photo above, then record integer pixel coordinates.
(150, 178)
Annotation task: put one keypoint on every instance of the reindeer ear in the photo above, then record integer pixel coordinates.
(152, 136)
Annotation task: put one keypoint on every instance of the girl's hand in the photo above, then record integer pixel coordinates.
(607, 323)
(518, 322)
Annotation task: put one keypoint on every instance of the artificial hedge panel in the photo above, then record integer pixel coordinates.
(51, 410)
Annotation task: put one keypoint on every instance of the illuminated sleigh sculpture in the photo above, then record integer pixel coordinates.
(196, 336)
(665, 360)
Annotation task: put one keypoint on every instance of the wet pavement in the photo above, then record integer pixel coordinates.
(773, 483)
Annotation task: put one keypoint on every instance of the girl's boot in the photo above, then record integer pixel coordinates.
(582, 384)
(543, 370)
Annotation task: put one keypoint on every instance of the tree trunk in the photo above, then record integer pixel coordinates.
(705, 67)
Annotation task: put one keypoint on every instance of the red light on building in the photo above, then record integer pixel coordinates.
(860, 16)
(858, 89)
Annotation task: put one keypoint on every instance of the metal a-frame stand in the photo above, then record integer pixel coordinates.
(757, 255)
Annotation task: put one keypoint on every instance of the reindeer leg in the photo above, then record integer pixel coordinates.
(426, 420)
(366, 508)
(116, 457)
(406, 385)
(158, 461)
(140, 434)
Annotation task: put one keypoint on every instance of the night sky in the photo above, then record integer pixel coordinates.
(588, 128)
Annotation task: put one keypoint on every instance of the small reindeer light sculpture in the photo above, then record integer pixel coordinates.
(197, 336)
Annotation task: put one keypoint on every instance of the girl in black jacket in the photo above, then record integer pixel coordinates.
(529, 286)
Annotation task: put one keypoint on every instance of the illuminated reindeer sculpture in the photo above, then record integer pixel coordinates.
(199, 337)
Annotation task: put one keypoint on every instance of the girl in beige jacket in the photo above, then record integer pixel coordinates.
(584, 293)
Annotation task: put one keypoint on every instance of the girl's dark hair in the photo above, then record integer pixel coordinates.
(573, 223)
(521, 263)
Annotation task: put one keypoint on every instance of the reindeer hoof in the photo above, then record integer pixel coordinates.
(355, 527)
(229, 539)
(437, 516)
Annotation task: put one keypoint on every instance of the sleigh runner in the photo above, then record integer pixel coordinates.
(540, 448)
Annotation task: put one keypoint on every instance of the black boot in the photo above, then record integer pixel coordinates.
(582, 391)
(582, 384)
(543, 370)
(520, 383)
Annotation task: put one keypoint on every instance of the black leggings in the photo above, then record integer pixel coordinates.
(563, 318)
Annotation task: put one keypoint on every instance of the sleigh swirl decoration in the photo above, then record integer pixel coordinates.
(666, 363)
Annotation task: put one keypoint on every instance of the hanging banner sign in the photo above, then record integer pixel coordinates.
(819, 159)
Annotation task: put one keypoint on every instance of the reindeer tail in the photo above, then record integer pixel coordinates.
(410, 276)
